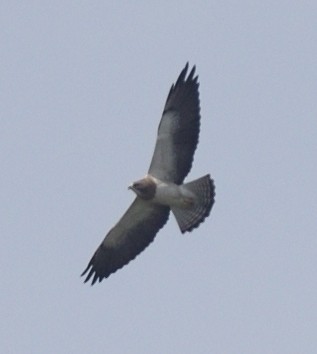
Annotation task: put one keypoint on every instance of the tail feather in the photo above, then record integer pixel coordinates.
(192, 216)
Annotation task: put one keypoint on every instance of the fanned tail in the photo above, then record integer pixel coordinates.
(191, 217)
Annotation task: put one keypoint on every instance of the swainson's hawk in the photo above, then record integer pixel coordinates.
(161, 190)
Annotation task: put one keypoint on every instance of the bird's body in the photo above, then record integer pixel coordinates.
(162, 190)
(166, 193)
(173, 195)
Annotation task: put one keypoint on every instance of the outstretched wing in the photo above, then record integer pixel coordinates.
(129, 237)
(178, 131)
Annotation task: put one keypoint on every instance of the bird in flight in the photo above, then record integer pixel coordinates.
(162, 190)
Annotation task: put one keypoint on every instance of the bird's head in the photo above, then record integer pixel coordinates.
(144, 188)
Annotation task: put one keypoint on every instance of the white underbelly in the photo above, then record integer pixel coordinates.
(173, 195)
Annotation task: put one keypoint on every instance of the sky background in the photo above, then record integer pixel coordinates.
(82, 89)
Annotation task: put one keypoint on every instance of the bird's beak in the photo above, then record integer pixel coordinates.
(132, 189)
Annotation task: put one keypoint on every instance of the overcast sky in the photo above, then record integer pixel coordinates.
(82, 88)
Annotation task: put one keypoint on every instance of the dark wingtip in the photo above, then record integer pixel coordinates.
(90, 274)
(183, 74)
(191, 74)
(181, 78)
(85, 271)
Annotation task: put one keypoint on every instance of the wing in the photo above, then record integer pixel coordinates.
(178, 131)
(129, 237)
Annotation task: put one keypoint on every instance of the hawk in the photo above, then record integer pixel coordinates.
(162, 190)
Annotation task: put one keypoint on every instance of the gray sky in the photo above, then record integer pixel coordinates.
(82, 89)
